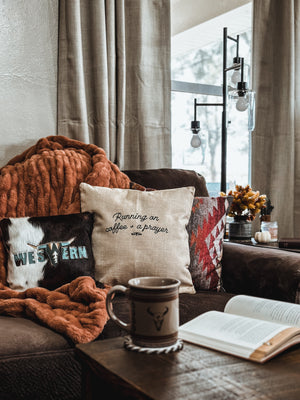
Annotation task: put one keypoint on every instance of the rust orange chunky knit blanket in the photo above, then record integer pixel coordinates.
(76, 310)
(44, 180)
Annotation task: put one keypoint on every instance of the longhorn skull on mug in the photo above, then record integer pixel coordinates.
(158, 317)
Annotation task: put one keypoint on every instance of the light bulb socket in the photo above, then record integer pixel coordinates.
(195, 126)
(242, 88)
(237, 60)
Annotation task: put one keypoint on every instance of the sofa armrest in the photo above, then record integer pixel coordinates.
(261, 272)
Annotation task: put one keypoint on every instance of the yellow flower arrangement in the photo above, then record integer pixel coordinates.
(246, 203)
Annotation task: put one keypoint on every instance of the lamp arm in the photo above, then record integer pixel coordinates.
(234, 66)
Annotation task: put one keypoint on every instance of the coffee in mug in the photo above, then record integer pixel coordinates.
(154, 309)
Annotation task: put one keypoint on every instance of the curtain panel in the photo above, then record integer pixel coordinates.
(114, 80)
(276, 139)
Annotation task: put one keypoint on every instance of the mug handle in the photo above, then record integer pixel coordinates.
(109, 307)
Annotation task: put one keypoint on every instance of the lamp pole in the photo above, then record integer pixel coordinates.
(224, 116)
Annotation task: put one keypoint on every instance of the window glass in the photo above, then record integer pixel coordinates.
(205, 66)
(205, 159)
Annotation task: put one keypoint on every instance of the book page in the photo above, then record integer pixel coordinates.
(265, 309)
(229, 333)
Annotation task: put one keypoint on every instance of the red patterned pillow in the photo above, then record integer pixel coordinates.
(206, 233)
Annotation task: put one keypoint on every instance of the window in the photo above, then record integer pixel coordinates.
(197, 73)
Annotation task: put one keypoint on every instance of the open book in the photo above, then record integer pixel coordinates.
(250, 327)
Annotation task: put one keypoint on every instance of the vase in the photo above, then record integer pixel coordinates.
(240, 229)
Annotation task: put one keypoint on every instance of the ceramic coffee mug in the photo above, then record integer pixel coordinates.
(154, 309)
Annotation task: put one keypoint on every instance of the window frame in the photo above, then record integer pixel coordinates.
(196, 88)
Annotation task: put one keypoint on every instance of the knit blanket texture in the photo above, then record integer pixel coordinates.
(76, 310)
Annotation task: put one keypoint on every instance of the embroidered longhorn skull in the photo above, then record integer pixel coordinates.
(158, 317)
(51, 249)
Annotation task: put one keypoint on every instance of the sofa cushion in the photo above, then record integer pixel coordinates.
(20, 336)
(206, 233)
(36, 363)
(140, 233)
(47, 251)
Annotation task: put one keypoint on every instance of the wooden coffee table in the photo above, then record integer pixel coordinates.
(194, 373)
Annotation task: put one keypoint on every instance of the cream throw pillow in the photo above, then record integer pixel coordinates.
(140, 233)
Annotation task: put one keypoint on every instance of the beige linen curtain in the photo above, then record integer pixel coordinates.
(114, 78)
(276, 138)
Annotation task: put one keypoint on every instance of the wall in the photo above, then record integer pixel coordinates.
(28, 73)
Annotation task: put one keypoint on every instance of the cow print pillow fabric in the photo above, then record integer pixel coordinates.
(47, 251)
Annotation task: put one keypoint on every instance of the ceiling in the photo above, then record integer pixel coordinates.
(195, 24)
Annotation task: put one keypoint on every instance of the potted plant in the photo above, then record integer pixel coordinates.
(245, 205)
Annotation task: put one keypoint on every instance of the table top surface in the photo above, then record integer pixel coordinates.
(193, 373)
(270, 245)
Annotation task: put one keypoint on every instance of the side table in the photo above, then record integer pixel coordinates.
(111, 371)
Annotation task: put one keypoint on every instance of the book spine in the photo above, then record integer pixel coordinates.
(286, 244)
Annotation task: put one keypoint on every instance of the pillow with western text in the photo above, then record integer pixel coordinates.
(139, 233)
(47, 251)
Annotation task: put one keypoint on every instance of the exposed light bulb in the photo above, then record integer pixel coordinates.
(236, 77)
(242, 104)
(196, 141)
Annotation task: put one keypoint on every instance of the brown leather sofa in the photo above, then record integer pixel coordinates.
(38, 363)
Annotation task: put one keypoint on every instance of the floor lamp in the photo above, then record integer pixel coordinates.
(245, 100)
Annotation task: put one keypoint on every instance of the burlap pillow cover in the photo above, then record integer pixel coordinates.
(140, 233)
